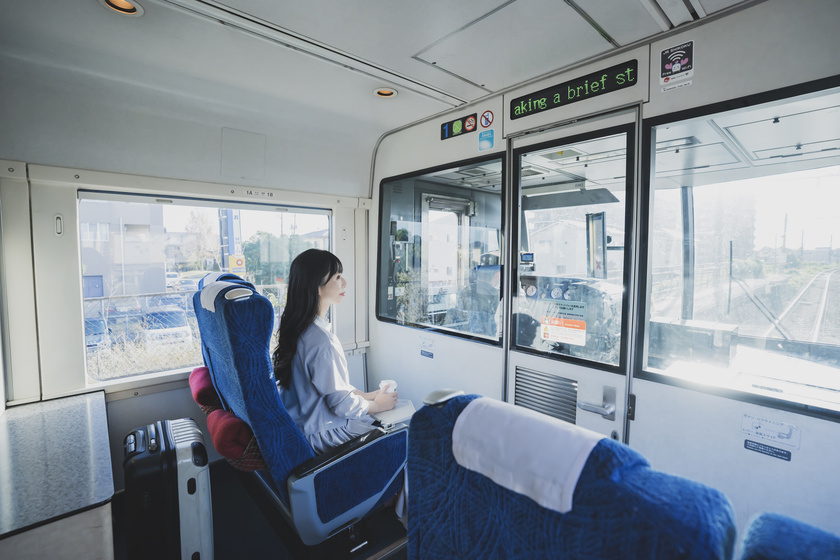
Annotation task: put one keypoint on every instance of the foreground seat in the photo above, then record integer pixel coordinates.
(618, 507)
(771, 536)
(319, 496)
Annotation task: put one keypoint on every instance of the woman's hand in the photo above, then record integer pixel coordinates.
(382, 401)
(368, 396)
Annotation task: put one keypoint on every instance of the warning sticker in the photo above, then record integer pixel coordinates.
(569, 331)
(767, 450)
(773, 431)
(486, 119)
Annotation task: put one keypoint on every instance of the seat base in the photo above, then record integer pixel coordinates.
(378, 536)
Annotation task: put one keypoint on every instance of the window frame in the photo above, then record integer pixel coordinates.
(648, 151)
(500, 157)
(630, 130)
(187, 202)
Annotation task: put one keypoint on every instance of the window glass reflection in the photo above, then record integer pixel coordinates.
(440, 250)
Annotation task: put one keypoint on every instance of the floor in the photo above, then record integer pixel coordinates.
(244, 526)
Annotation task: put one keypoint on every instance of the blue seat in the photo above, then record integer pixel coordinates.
(319, 496)
(771, 536)
(621, 507)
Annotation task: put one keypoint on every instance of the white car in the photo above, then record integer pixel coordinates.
(166, 327)
(172, 280)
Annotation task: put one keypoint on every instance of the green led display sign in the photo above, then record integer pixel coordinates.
(598, 83)
(458, 127)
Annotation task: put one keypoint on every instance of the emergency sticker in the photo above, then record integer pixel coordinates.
(568, 331)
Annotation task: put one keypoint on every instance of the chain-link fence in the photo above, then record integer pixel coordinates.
(133, 335)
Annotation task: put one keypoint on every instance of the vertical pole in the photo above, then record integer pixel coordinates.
(729, 297)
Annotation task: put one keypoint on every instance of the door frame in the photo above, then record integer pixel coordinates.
(625, 118)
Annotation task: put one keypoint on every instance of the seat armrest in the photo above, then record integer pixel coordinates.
(335, 454)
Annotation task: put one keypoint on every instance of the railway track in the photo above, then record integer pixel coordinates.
(814, 314)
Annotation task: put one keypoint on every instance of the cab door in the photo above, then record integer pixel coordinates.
(571, 247)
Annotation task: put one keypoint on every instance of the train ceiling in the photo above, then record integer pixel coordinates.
(436, 53)
(310, 68)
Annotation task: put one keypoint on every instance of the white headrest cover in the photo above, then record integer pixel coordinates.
(523, 450)
(210, 291)
(211, 277)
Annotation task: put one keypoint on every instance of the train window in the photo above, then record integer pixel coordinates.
(571, 251)
(142, 260)
(440, 250)
(744, 279)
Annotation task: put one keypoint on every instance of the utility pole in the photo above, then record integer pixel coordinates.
(784, 236)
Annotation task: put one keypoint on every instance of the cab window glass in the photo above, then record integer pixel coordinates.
(440, 250)
(571, 252)
(142, 261)
(745, 221)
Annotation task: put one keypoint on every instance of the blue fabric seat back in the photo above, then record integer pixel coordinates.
(208, 279)
(621, 509)
(772, 536)
(236, 338)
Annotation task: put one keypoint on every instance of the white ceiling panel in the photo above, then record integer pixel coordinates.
(168, 49)
(790, 134)
(626, 22)
(712, 6)
(523, 40)
(383, 32)
(707, 156)
(676, 11)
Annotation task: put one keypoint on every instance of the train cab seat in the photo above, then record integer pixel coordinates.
(772, 536)
(477, 304)
(317, 495)
(492, 480)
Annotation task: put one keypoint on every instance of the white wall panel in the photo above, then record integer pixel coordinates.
(767, 46)
(394, 352)
(699, 436)
(20, 342)
(472, 367)
(58, 289)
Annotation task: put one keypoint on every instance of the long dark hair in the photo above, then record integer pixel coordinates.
(309, 271)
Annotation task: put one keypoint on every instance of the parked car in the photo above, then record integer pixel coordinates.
(166, 327)
(124, 317)
(96, 334)
(190, 279)
(172, 280)
(171, 300)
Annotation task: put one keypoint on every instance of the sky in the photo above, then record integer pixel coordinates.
(175, 219)
(809, 199)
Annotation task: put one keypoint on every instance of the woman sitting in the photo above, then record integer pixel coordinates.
(309, 361)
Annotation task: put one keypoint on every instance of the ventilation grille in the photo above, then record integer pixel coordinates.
(549, 394)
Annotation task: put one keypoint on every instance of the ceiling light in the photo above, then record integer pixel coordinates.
(385, 92)
(123, 7)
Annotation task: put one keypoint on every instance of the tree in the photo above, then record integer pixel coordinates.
(202, 243)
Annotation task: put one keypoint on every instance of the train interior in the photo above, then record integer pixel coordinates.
(616, 214)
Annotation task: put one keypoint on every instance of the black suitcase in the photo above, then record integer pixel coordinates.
(167, 492)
